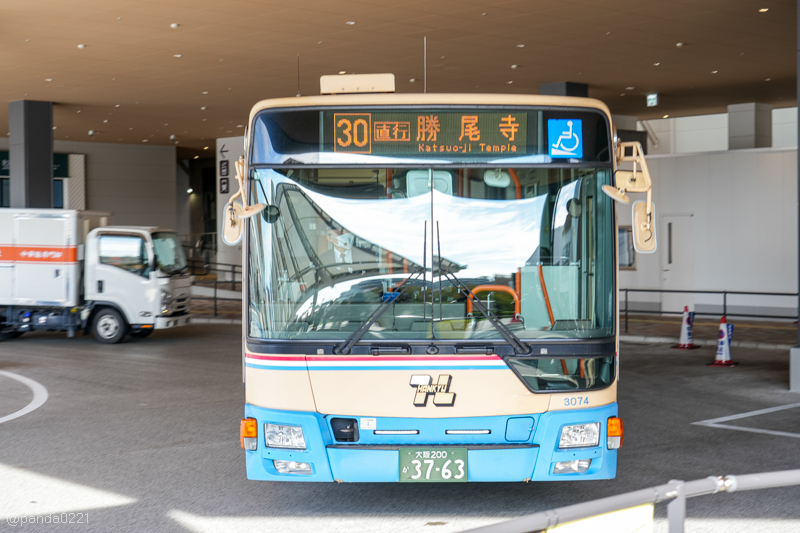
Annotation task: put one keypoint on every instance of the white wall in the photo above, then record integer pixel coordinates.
(709, 133)
(136, 183)
(744, 207)
(231, 255)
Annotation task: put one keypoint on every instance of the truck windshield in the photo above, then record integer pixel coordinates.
(535, 245)
(169, 253)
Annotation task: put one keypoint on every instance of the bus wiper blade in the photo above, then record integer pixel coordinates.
(345, 347)
(507, 334)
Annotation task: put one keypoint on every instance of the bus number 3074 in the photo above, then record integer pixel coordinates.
(446, 472)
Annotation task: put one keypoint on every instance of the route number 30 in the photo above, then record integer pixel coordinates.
(352, 133)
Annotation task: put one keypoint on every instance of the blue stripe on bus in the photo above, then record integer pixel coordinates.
(415, 368)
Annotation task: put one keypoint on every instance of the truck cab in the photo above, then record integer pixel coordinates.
(136, 279)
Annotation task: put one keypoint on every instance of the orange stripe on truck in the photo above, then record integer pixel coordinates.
(20, 253)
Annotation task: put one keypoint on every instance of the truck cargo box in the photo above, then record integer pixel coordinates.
(39, 256)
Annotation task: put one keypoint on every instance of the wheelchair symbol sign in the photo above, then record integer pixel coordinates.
(565, 138)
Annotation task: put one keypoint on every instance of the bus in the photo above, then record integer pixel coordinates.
(430, 287)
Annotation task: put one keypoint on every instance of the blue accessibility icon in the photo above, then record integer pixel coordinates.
(565, 138)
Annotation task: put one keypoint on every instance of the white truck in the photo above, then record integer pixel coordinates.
(66, 270)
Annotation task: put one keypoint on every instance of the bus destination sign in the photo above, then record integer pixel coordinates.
(431, 133)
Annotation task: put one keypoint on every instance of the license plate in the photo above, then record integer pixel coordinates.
(433, 465)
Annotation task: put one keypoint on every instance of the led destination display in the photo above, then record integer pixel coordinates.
(428, 132)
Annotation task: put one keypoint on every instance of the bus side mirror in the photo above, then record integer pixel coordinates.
(232, 224)
(636, 180)
(644, 227)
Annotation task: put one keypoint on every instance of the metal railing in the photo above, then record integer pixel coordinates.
(724, 295)
(201, 268)
(216, 298)
(675, 492)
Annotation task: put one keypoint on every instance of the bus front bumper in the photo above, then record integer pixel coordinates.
(498, 456)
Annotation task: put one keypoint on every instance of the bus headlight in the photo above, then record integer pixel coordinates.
(292, 467)
(580, 436)
(278, 436)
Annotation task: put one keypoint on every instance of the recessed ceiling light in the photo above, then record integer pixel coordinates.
(130, 129)
(442, 57)
(117, 105)
(119, 18)
(55, 127)
(197, 157)
(171, 137)
(608, 33)
(319, 42)
(413, 80)
(629, 88)
(679, 45)
(204, 92)
(768, 79)
(203, 120)
(351, 22)
(48, 79)
(203, 108)
(78, 111)
(342, 72)
(144, 140)
(714, 71)
(656, 64)
(240, 125)
(205, 148)
(174, 25)
(520, 46)
(166, 124)
(763, 10)
(177, 55)
(510, 82)
(622, 94)
(189, 191)
(91, 132)
(483, 14)
(105, 121)
(513, 66)
(81, 46)
(665, 116)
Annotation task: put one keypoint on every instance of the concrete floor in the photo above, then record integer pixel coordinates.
(143, 436)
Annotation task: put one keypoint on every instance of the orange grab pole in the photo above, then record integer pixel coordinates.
(546, 297)
(517, 184)
(501, 288)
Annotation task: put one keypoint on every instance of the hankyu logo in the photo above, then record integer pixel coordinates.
(442, 397)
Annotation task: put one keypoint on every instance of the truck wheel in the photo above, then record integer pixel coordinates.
(109, 326)
(140, 333)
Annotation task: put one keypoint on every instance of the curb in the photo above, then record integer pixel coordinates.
(216, 321)
(701, 342)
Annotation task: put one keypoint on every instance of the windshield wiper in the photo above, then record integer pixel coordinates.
(519, 347)
(345, 347)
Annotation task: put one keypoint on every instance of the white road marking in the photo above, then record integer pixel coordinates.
(39, 395)
(717, 422)
(24, 493)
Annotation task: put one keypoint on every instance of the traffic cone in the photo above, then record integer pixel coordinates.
(723, 357)
(685, 342)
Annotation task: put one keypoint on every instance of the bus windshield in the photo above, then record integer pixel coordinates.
(534, 245)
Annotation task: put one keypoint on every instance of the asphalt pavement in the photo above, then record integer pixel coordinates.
(143, 436)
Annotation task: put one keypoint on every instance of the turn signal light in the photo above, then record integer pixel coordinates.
(248, 433)
(615, 431)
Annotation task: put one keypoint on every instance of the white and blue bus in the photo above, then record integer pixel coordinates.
(430, 294)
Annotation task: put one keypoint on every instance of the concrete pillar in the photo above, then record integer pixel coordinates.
(31, 153)
(565, 88)
(749, 126)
